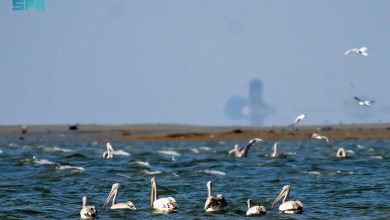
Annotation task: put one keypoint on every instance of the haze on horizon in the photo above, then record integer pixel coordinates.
(127, 62)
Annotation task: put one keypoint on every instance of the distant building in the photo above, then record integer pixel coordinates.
(253, 108)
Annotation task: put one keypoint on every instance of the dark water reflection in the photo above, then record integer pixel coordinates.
(52, 184)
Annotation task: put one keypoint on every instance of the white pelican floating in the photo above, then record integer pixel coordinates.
(298, 119)
(112, 195)
(242, 152)
(290, 207)
(341, 153)
(165, 205)
(320, 137)
(214, 203)
(87, 212)
(255, 210)
(361, 51)
(109, 154)
(276, 152)
(365, 103)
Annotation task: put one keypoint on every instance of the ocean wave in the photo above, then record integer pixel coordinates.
(141, 163)
(41, 161)
(194, 150)
(214, 172)
(169, 153)
(56, 149)
(147, 172)
(205, 148)
(65, 167)
(120, 153)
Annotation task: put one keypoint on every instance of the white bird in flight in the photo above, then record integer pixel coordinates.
(366, 103)
(361, 51)
(298, 119)
(320, 137)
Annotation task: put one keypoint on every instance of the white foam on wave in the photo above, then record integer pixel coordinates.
(120, 153)
(379, 157)
(350, 151)
(214, 172)
(141, 163)
(360, 146)
(205, 148)
(194, 150)
(169, 153)
(289, 153)
(65, 167)
(41, 161)
(57, 149)
(147, 172)
(1, 151)
(122, 175)
(313, 173)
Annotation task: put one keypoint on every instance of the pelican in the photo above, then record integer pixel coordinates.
(319, 137)
(290, 207)
(242, 152)
(112, 195)
(87, 212)
(255, 210)
(364, 103)
(298, 119)
(165, 205)
(214, 203)
(341, 153)
(109, 154)
(361, 51)
(276, 152)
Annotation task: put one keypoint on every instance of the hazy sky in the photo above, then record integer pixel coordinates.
(125, 61)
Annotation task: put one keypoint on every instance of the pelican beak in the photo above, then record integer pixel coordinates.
(280, 196)
(113, 192)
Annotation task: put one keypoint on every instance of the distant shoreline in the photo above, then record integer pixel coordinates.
(168, 132)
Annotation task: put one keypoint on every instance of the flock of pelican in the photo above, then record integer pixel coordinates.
(213, 203)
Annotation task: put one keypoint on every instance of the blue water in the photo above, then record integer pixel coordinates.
(52, 185)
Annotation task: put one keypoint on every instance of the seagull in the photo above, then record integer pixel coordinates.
(298, 119)
(361, 51)
(320, 137)
(242, 152)
(365, 103)
(87, 212)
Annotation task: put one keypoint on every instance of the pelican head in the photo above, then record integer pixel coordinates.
(112, 195)
(285, 192)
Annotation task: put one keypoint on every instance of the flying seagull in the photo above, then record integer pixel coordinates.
(366, 103)
(298, 119)
(361, 51)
